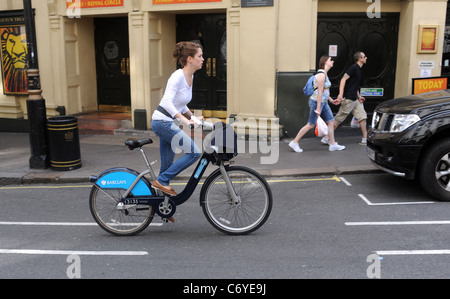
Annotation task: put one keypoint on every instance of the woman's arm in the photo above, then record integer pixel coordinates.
(320, 89)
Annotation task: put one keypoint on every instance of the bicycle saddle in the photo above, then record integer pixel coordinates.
(133, 143)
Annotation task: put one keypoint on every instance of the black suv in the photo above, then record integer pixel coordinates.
(410, 137)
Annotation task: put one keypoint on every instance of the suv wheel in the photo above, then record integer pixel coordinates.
(435, 170)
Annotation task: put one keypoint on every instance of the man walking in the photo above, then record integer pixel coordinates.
(349, 97)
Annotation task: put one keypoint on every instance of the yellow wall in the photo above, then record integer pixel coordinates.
(260, 42)
(414, 14)
(296, 49)
(257, 61)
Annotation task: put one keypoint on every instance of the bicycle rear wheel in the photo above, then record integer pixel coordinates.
(236, 218)
(115, 219)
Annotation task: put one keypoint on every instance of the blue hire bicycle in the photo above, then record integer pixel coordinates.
(235, 199)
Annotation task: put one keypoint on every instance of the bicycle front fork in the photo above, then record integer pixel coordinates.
(231, 192)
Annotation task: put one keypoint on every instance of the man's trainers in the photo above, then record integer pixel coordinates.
(336, 147)
(363, 141)
(295, 147)
(325, 140)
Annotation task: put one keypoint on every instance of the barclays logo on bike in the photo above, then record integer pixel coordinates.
(115, 182)
(200, 168)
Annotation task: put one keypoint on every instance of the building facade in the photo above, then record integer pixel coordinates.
(117, 54)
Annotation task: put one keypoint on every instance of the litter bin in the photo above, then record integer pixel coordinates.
(64, 143)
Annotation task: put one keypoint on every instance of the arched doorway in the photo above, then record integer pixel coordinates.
(342, 34)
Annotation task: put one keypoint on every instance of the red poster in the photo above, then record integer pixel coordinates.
(92, 3)
(428, 39)
(156, 2)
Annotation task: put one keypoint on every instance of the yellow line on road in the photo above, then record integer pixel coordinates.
(334, 178)
(45, 187)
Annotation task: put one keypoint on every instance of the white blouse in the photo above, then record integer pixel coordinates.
(176, 96)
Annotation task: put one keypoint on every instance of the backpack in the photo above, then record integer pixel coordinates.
(308, 90)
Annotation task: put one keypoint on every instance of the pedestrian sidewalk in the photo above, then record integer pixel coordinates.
(100, 152)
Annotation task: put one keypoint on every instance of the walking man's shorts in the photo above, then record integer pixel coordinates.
(350, 106)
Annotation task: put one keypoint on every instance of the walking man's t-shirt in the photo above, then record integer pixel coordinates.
(353, 83)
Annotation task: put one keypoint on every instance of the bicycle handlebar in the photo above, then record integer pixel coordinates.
(206, 125)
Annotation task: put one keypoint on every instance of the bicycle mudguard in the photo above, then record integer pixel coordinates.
(122, 178)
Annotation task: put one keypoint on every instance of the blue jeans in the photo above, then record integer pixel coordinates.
(325, 113)
(172, 137)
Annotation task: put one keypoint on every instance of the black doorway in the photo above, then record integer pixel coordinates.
(377, 38)
(112, 62)
(210, 83)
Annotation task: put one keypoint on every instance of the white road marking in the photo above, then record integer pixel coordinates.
(62, 223)
(392, 203)
(70, 252)
(397, 223)
(345, 181)
(412, 252)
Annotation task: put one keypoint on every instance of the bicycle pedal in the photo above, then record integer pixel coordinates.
(171, 219)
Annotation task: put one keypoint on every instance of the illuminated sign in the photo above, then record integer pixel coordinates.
(156, 2)
(92, 3)
(429, 84)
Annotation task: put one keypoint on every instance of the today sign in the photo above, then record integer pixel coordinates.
(429, 84)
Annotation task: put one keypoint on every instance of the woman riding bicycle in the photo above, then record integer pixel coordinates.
(173, 106)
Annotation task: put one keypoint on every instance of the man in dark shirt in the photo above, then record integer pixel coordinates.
(353, 77)
(349, 98)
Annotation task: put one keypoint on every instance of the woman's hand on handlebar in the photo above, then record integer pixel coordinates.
(184, 120)
(198, 120)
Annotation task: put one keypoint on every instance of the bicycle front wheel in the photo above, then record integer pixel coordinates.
(115, 218)
(246, 216)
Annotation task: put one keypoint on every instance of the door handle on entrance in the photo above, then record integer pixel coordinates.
(123, 66)
(128, 66)
(208, 67)
(214, 67)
